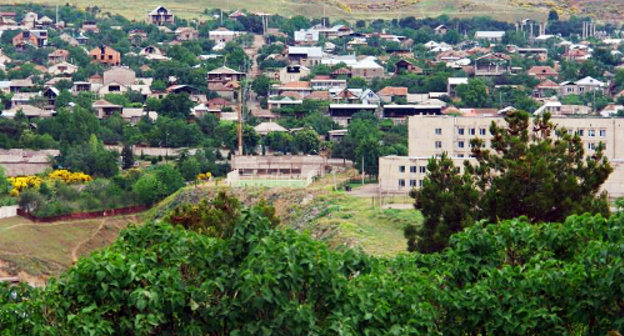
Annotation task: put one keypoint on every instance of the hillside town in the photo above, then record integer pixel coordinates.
(203, 171)
(284, 92)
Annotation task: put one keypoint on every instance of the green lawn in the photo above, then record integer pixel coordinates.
(271, 183)
(361, 224)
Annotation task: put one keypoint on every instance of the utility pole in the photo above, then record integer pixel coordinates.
(240, 119)
(362, 169)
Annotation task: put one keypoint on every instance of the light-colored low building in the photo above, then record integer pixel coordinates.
(21, 162)
(431, 136)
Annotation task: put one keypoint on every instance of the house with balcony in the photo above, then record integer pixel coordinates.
(494, 64)
(160, 16)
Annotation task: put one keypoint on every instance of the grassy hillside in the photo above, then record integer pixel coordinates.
(36, 251)
(510, 10)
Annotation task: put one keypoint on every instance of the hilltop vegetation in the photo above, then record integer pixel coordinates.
(507, 10)
(246, 278)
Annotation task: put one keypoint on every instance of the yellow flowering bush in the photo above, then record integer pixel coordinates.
(22, 182)
(204, 176)
(69, 177)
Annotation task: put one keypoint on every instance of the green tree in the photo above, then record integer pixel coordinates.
(473, 94)
(541, 173)
(91, 158)
(189, 167)
(307, 142)
(127, 156)
(5, 185)
(261, 85)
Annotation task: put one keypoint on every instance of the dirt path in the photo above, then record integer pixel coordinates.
(74, 251)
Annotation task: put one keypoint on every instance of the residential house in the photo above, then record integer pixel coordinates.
(542, 72)
(69, 39)
(367, 68)
(160, 16)
(440, 30)
(151, 50)
(342, 113)
(35, 38)
(611, 110)
(29, 20)
(236, 15)
(494, 64)
(62, 69)
(50, 93)
(186, 34)
(320, 83)
(277, 102)
(105, 109)
(453, 82)
(581, 86)
(136, 36)
(391, 93)
(306, 37)
(297, 90)
(20, 85)
(58, 56)
(31, 112)
(120, 75)
(545, 88)
(578, 55)
(23, 98)
(293, 73)
(23, 162)
(89, 26)
(307, 56)
(105, 55)
(132, 115)
(489, 36)
(341, 73)
(399, 113)
(333, 32)
(224, 81)
(265, 128)
(404, 66)
(223, 35)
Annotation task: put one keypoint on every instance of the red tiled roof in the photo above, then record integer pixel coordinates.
(393, 91)
(542, 70)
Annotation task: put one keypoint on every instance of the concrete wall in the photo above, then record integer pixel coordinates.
(8, 211)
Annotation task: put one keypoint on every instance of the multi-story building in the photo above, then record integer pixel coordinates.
(105, 55)
(431, 136)
(160, 16)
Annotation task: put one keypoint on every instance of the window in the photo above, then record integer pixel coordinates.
(460, 131)
(401, 169)
(413, 169)
(472, 131)
(591, 145)
(603, 133)
(591, 132)
(481, 131)
(438, 131)
(580, 132)
(420, 183)
(412, 183)
(460, 144)
(460, 155)
(401, 183)
(423, 169)
(438, 144)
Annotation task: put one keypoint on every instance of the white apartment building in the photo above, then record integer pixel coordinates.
(430, 136)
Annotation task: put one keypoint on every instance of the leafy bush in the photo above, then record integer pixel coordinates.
(512, 278)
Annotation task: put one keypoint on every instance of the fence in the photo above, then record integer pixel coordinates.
(83, 215)
(8, 211)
